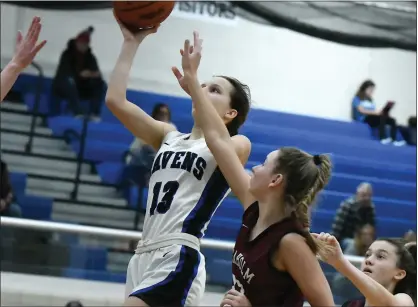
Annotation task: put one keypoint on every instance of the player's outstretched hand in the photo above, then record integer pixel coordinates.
(180, 78)
(190, 60)
(27, 47)
(334, 254)
(191, 55)
(233, 298)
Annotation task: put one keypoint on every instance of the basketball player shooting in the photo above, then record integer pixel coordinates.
(26, 50)
(185, 188)
(274, 262)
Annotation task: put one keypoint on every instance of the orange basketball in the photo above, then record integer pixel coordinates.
(142, 14)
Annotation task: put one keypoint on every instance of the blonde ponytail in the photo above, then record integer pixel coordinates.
(324, 167)
(305, 176)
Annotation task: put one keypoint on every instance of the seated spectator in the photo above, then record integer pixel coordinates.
(341, 286)
(7, 206)
(354, 212)
(364, 110)
(141, 156)
(78, 78)
(411, 131)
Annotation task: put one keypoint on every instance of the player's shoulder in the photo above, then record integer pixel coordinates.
(241, 139)
(292, 239)
(403, 299)
(241, 143)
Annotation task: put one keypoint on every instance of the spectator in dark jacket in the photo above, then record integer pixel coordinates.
(353, 213)
(7, 207)
(78, 77)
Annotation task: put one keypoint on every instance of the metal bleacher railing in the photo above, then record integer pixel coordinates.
(35, 114)
(80, 155)
(114, 233)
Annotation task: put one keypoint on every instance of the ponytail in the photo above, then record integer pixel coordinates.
(324, 167)
(305, 176)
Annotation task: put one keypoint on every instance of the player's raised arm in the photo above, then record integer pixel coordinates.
(26, 50)
(231, 153)
(375, 281)
(132, 117)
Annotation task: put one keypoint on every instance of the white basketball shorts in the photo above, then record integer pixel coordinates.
(168, 276)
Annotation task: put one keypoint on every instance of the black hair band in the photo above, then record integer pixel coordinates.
(317, 159)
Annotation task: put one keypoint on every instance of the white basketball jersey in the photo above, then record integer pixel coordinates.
(185, 189)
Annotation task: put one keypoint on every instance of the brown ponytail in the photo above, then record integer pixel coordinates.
(306, 175)
(302, 210)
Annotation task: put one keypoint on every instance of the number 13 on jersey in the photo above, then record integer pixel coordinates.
(168, 190)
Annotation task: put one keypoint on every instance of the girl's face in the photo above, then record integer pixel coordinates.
(263, 177)
(380, 263)
(219, 92)
(369, 91)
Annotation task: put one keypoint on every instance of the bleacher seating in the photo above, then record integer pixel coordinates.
(33, 207)
(357, 158)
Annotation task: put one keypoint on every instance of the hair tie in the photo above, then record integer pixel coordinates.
(317, 159)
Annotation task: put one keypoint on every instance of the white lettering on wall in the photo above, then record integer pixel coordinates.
(207, 11)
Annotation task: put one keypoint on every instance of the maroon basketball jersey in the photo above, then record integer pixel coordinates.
(253, 272)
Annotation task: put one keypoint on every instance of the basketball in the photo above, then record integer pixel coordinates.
(142, 14)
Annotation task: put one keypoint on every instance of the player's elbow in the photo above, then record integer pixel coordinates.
(114, 96)
(112, 100)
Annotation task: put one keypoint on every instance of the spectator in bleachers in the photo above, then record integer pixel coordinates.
(354, 212)
(410, 132)
(141, 156)
(412, 125)
(341, 286)
(364, 236)
(364, 110)
(78, 78)
(7, 206)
